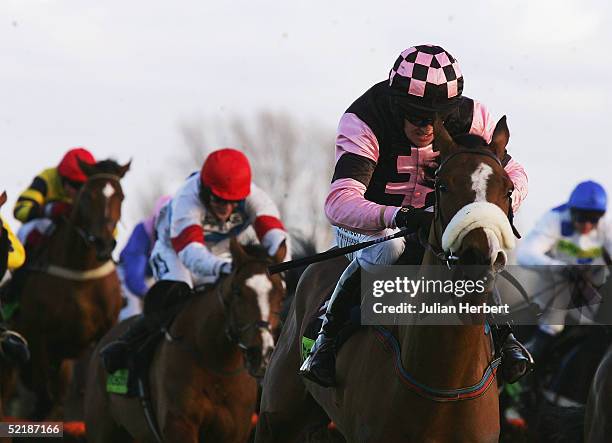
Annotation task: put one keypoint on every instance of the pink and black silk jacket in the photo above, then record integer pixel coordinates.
(378, 170)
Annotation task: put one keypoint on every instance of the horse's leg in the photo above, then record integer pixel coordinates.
(59, 381)
(287, 410)
(35, 376)
(100, 424)
(178, 428)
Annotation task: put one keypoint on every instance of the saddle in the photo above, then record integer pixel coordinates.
(412, 255)
(163, 302)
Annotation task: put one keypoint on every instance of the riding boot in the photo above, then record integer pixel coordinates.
(320, 366)
(116, 353)
(516, 359)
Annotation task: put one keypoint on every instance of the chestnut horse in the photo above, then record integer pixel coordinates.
(453, 393)
(70, 293)
(202, 375)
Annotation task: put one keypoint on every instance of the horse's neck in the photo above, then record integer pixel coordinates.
(207, 321)
(444, 356)
(66, 248)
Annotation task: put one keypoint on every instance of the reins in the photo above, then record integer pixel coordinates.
(98, 272)
(450, 259)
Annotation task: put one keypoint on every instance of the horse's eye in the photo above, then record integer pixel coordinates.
(509, 195)
(441, 187)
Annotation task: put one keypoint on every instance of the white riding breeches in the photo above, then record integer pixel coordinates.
(385, 253)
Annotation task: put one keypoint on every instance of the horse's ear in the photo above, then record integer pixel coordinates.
(281, 252)
(87, 169)
(125, 168)
(239, 255)
(500, 138)
(3, 198)
(443, 142)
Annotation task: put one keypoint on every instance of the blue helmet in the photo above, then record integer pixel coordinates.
(588, 196)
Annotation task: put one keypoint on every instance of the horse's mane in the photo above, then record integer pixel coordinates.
(108, 166)
(471, 141)
(255, 250)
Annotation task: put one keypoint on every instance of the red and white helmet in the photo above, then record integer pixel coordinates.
(69, 166)
(227, 173)
(426, 78)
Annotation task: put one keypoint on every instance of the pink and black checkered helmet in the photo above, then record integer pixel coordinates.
(425, 78)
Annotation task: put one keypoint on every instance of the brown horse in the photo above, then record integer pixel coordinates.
(372, 403)
(202, 385)
(70, 294)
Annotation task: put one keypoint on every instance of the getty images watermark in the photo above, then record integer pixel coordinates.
(432, 295)
(428, 288)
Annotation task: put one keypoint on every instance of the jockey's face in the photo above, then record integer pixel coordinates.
(71, 188)
(222, 209)
(585, 221)
(421, 135)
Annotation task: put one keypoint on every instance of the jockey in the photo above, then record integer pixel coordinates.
(134, 269)
(13, 346)
(194, 230)
(50, 195)
(573, 234)
(12, 250)
(382, 180)
(218, 202)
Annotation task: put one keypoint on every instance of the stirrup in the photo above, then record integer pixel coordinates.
(320, 365)
(525, 358)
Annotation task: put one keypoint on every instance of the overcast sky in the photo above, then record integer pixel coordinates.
(120, 76)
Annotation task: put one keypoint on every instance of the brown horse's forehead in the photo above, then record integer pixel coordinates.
(108, 187)
(466, 165)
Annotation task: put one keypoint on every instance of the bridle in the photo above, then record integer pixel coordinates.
(84, 233)
(233, 330)
(450, 258)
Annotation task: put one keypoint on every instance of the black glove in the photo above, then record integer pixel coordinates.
(412, 219)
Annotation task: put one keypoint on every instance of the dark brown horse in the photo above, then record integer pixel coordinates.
(372, 403)
(71, 295)
(598, 416)
(202, 382)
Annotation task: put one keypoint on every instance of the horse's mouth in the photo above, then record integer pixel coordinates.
(257, 361)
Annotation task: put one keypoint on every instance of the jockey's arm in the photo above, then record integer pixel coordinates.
(201, 262)
(483, 125)
(16, 256)
(30, 203)
(45, 191)
(187, 235)
(606, 226)
(519, 179)
(265, 218)
(134, 260)
(533, 250)
(356, 157)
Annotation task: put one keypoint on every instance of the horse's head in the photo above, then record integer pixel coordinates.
(473, 194)
(98, 205)
(253, 304)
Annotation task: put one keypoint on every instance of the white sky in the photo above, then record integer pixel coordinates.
(119, 76)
